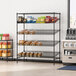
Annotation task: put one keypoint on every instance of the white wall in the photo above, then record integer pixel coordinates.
(9, 8)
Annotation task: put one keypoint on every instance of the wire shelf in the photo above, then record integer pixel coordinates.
(44, 43)
(42, 32)
(54, 55)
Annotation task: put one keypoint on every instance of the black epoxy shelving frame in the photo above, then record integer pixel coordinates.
(7, 57)
(46, 43)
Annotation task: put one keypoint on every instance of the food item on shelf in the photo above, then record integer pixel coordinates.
(9, 45)
(35, 54)
(21, 42)
(34, 43)
(39, 54)
(1, 44)
(21, 32)
(1, 36)
(20, 54)
(31, 54)
(9, 54)
(25, 42)
(28, 42)
(4, 45)
(48, 19)
(25, 20)
(20, 19)
(38, 20)
(32, 32)
(5, 37)
(54, 19)
(23, 54)
(26, 32)
(28, 54)
(31, 43)
(42, 19)
(29, 19)
(39, 43)
(0, 53)
(6, 53)
(34, 20)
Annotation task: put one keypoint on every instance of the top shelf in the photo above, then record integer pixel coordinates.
(34, 23)
(7, 40)
(40, 13)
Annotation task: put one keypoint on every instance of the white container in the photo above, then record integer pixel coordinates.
(66, 45)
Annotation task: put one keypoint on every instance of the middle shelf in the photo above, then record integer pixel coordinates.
(38, 32)
(38, 43)
(38, 54)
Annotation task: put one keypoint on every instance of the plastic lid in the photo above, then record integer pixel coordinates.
(6, 51)
(9, 43)
(5, 43)
(1, 43)
(48, 16)
(1, 34)
(5, 34)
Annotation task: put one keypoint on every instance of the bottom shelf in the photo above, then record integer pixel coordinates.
(39, 55)
(7, 57)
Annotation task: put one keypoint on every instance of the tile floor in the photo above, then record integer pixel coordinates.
(32, 69)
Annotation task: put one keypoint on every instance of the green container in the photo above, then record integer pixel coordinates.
(1, 36)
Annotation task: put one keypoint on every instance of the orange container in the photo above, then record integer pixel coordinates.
(6, 53)
(5, 37)
(9, 45)
(4, 45)
(1, 44)
(0, 53)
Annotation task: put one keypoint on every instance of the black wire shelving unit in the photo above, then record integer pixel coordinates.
(56, 56)
(7, 58)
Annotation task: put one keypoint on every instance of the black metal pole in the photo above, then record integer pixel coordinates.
(12, 49)
(7, 50)
(17, 37)
(24, 37)
(59, 36)
(54, 38)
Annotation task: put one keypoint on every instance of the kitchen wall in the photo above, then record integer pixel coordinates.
(9, 8)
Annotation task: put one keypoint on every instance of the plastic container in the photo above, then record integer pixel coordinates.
(9, 45)
(29, 19)
(0, 53)
(38, 20)
(34, 20)
(4, 45)
(6, 53)
(1, 36)
(43, 19)
(1, 44)
(48, 19)
(5, 37)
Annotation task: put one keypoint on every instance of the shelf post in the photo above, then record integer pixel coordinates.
(54, 38)
(17, 36)
(24, 37)
(59, 37)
